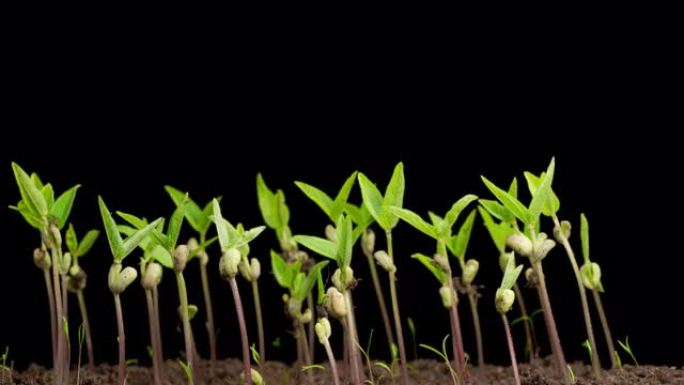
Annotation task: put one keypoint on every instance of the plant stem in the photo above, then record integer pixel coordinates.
(61, 338)
(260, 322)
(86, 329)
(183, 295)
(353, 340)
(530, 337)
(381, 302)
(122, 340)
(333, 365)
(243, 331)
(310, 305)
(458, 336)
(53, 322)
(554, 340)
(395, 311)
(606, 329)
(153, 338)
(511, 349)
(157, 331)
(64, 324)
(595, 360)
(305, 350)
(472, 300)
(345, 350)
(211, 330)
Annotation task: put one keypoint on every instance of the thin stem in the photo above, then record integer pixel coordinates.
(472, 300)
(61, 338)
(86, 328)
(310, 305)
(595, 360)
(395, 312)
(551, 329)
(211, 329)
(153, 337)
(381, 302)
(458, 336)
(606, 329)
(183, 295)
(345, 351)
(243, 331)
(530, 337)
(260, 322)
(157, 331)
(333, 364)
(122, 340)
(352, 340)
(53, 322)
(511, 349)
(305, 350)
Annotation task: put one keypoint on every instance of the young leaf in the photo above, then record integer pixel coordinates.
(283, 273)
(497, 210)
(161, 255)
(345, 240)
(338, 206)
(414, 220)
(552, 204)
(319, 197)
(511, 203)
(134, 221)
(542, 195)
(271, 205)
(584, 234)
(457, 207)
(430, 265)
(251, 234)
(497, 231)
(36, 180)
(71, 240)
(459, 243)
(510, 274)
(359, 215)
(116, 243)
(193, 213)
(28, 216)
(513, 188)
(318, 245)
(394, 194)
(30, 194)
(134, 240)
(304, 288)
(48, 194)
(373, 200)
(87, 242)
(221, 228)
(175, 224)
(61, 209)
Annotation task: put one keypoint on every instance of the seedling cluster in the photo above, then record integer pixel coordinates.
(318, 295)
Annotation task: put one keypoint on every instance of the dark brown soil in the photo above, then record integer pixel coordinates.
(423, 372)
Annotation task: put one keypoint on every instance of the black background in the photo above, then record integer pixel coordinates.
(126, 129)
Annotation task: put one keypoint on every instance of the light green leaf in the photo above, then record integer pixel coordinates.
(303, 289)
(452, 215)
(510, 274)
(513, 188)
(36, 180)
(48, 194)
(116, 244)
(415, 220)
(359, 215)
(133, 220)
(28, 215)
(429, 264)
(318, 197)
(394, 194)
(542, 194)
(283, 273)
(87, 243)
(373, 200)
(175, 224)
(584, 234)
(458, 244)
(30, 194)
(552, 204)
(272, 206)
(318, 245)
(511, 203)
(221, 229)
(71, 240)
(338, 205)
(497, 210)
(161, 255)
(130, 243)
(61, 209)
(193, 213)
(497, 231)
(345, 240)
(251, 234)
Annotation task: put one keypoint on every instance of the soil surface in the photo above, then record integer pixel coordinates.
(422, 372)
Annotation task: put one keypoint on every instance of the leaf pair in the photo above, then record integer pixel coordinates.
(341, 250)
(498, 231)
(511, 273)
(198, 218)
(333, 208)
(430, 264)
(379, 205)
(38, 204)
(272, 206)
(290, 277)
(230, 237)
(80, 248)
(122, 248)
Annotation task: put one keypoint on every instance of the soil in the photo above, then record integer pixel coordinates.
(422, 372)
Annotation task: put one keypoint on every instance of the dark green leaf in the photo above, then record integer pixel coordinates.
(318, 197)
(584, 235)
(429, 264)
(71, 240)
(61, 209)
(318, 245)
(30, 194)
(542, 194)
(116, 244)
(452, 215)
(459, 243)
(87, 242)
(303, 288)
(511, 203)
(414, 220)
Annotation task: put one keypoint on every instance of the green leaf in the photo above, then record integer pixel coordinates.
(71, 240)
(345, 240)
(30, 194)
(318, 197)
(513, 188)
(27, 215)
(193, 213)
(338, 205)
(584, 234)
(318, 245)
(251, 234)
(87, 242)
(452, 215)
(221, 229)
(394, 194)
(415, 220)
(552, 204)
(175, 224)
(48, 194)
(283, 273)
(116, 244)
(304, 288)
(497, 210)
(130, 243)
(359, 215)
(133, 220)
(459, 243)
(321, 288)
(373, 200)
(497, 231)
(510, 274)
(429, 264)
(61, 209)
(36, 180)
(161, 255)
(542, 194)
(511, 203)
(272, 206)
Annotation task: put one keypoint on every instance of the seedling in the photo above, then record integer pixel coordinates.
(200, 221)
(445, 357)
(81, 337)
(440, 230)
(505, 297)
(628, 349)
(412, 330)
(120, 278)
(534, 244)
(591, 278)
(276, 215)
(4, 368)
(379, 207)
(232, 241)
(323, 332)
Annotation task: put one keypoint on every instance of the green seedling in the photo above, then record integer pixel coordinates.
(323, 332)
(505, 297)
(587, 346)
(340, 250)
(535, 246)
(200, 220)
(81, 337)
(233, 243)
(441, 230)
(414, 343)
(76, 281)
(561, 232)
(379, 207)
(4, 368)
(276, 216)
(119, 277)
(445, 357)
(628, 349)
(591, 278)
(41, 210)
